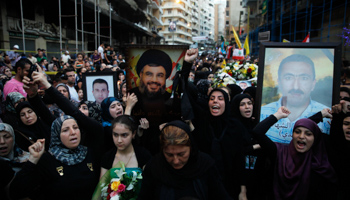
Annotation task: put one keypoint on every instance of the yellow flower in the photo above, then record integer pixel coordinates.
(252, 66)
(244, 71)
(115, 185)
(253, 73)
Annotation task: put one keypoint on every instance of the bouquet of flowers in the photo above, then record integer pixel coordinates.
(125, 185)
(232, 72)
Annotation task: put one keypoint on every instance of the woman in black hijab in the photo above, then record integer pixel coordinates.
(31, 127)
(221, 136)
(180, 170)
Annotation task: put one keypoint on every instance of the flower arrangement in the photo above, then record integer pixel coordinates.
(123, 187)
(232, 72)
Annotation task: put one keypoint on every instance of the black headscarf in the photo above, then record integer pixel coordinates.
(235, 89)
(236, 113)
(38, 130)
(197, 165)
(251, 91)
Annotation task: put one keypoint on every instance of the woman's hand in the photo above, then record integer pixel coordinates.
(29, 87)
(243, 194)
(40, 78)
(144, 124)
(191, 55)
(282, 112)
(36, 150)
(326, 113)
(131, 100)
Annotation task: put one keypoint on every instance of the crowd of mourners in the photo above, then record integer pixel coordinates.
(55, 145)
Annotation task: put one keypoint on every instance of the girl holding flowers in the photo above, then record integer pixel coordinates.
(121, 167)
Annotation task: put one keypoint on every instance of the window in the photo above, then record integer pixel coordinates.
(227, 13)
(227, 23)
(227, 4)
(169, 11)
(240, 3)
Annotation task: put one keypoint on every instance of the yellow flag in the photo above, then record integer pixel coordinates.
(223, 64)
(246, 45)
(238, 42)
(286, 41)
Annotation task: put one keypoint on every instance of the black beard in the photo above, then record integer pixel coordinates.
(143, 89)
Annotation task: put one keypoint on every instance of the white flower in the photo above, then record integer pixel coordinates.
(226, 79)
(227, 68)
(115, 179)
(116, 197)
(120, 174)
(130, 186)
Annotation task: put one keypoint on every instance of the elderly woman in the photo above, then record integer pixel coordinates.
(65, 171)
(302, 170)
(180, 170)
(12, 157)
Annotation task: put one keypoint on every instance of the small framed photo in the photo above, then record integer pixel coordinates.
(304, 77)
(244, 84)
(99, 85)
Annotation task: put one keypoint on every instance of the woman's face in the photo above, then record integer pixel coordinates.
(70, 134)
(121, 76)
(122, 136)
(346, 128)
(84, 109)
(303, 139)
(6, 143)
(28, 116)
(8, 72)
(124, 89)
(116, 109)
(217, 103)
(246, 108)
(80, 94)
(177, 155)
(19, 101)
(64, 91)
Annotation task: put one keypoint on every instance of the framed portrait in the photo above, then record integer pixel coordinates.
(243, 84)
(169, 56)
(304, 77)
(99, 85)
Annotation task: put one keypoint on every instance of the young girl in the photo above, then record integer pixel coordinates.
(80, 62)
(133, 157)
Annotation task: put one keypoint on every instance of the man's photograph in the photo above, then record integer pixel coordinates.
(99, 87)
(299, 79)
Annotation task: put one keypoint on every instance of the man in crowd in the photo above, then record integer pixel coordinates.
(296, 81)
(108, 55)
(15, 84)
(69, 72)
(13, 55)
(101, 51)
(100, 90)
(65, 57)
(32, 58)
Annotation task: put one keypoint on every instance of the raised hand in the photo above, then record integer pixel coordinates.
(326, 113)
(36, 150)
(29, 86)
(40, 78)
(144, 124)
(191, 55)
(282, 112)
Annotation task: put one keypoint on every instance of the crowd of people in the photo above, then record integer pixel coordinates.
(203, 144)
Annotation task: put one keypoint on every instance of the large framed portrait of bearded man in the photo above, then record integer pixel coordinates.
(304, 77)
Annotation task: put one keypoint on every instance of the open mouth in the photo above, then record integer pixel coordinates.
(301, 144)
(3, 149)
(119, 113)
(74, 140)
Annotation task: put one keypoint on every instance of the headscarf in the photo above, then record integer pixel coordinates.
(38, 130)
(251, 91)
(94, 109)
(293, 169)
(202, 86)
(235, 89)
(17, 156)
(64, 85)
(197, 164)
(3, 68)
(11, 99)
(106, 115)
(59, 151)
(235, 111)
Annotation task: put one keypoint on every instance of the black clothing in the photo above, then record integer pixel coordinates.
(320, 188)
(6, 176)
(142, 156)
(75, 181)
(78, 181)
(222, 138)
(200, 180)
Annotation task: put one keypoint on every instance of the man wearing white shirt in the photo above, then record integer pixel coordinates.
(69, 72)
(65, 57)
(101, 50)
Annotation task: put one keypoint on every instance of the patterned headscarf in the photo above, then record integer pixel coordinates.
(59, 151)
(64, 85)
(3, 68)
(11, 99)
(16, 155)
